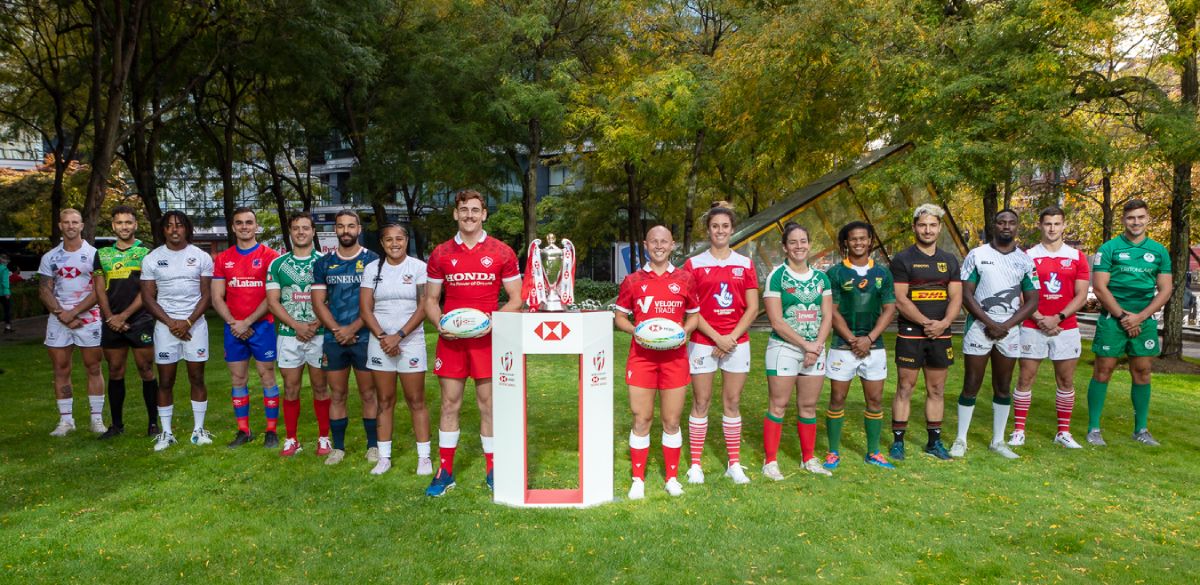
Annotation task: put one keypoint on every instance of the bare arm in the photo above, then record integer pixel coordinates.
(324, 315)
(973, 306)
(908, 308)
(433, 311)
(690, 321)
(955, 291)
(419, 315)
(1107, 301)
(205, 299)
(150, 300)
(46, 294)
(1165, 285)
(366, 311)
(218, 301)
(1029, 304)
(512, 288)
(774, 308)
(100, 286)
(827, 313)
(622, 322)
(275, 305)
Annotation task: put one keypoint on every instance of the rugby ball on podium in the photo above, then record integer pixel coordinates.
(659, 334)
(466, 323)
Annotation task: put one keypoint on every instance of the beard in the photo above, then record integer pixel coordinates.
(347, 240)
(1004, 240)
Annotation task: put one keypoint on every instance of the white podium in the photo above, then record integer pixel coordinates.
(588, 335)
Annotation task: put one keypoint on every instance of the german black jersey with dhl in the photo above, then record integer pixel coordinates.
(928, 279)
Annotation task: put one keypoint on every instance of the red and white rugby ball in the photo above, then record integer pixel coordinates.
(466, 323)
(659, 334)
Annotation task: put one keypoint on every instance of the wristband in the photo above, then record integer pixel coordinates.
(1122, 317)
(189, 322)
(402, 334)
(1062, 317)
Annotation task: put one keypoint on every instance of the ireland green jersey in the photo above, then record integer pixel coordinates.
(801, 295)
(1133, 270)
(860, 292)
(292, 276)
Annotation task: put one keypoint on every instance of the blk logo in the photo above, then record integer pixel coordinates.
(552, 330)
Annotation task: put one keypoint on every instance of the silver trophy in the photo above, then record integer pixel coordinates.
(550, 276)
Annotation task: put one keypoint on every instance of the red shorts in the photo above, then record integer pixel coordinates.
(661, 370)
(464, 358)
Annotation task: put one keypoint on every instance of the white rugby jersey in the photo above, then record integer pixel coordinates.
(999, 279)
(72, 276)
(177, 275)
(395, 291)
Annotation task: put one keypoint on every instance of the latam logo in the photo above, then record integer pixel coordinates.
(552, 330)
(245, 283)
(506, 361)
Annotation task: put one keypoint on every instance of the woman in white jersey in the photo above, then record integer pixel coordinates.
(391, 300)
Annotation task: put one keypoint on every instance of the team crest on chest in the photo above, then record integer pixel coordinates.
(1148, 257)
(942, 267)
(738, 272)
(256, 263)
(674, 288)
(408, 279)
(486, 261)
(878, 282)
(1065, 262)
(192, 261)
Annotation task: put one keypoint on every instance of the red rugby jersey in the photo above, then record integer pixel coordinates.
(245, 276)
(721, 287)
(1057, 273)
(472, 277)
(647, 295)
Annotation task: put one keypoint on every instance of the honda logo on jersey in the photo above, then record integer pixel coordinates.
(552, 330)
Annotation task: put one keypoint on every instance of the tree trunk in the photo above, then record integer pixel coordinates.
(1183, 17)
(635, 216)
(991, 195)
(280, 204)
(689, 210)
(529, 183)
(1106, 208)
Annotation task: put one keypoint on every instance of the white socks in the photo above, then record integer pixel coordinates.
(964, 421)
(199, 409)
(97, 405)
(423, 450)
(164, 416)
(999, 421)
(64, 410)
(447, 439)
(487, 443)
(636, 442)
(385, 449)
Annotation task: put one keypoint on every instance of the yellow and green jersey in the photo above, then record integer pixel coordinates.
(860, 292)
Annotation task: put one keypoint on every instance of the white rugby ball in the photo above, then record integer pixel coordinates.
(466, 323)
(659, 334)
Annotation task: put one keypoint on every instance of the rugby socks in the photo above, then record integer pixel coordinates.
(697, 430)
(934, 429)
(1021, 400)
(97, 405)
(447, 445)
(488, 449)
(873, 425)
(772, 432)
(271, 407)
(1000, 408)
(1140, 394)
(732, 427)
(807, 429)
(1064, 403)
(1097, 392)
(834, 419)
(150, 397)
(164, 418)
(966, 408)
(65, 412)
(241, 408)
(423, 450)
(321, 410)
(899, 427)
(116, 401)
(672, 446)
(337, 427)
(291, 417)
(371, 428)
(639, 452)
(199, 409)
(385, 449)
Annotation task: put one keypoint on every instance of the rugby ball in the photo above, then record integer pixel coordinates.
(466, 323)
(659, 334)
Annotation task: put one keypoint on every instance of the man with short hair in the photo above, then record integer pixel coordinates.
(289, 296)
(928, 296)
(1052, 332)
(1129, 269)
(239, 296)
(176, 290)
(117, 277)
(65, 288)
(337, 278)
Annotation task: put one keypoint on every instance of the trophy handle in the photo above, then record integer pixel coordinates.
(532, 288)
(566, 288)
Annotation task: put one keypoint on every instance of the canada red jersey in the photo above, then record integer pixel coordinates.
(1057, 272)
(472, 277)
(647, 295)
(721, 287)
(245, 276)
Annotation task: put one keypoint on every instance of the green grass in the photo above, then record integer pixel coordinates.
(79, 510)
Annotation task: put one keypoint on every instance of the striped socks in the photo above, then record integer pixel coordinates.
(732, 428)
(241, 408)
(1064, 404)
(271, 407)
(697, 430)
(834, 419)
(873, 426)
(1021, 399)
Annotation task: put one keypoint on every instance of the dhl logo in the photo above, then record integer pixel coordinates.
(928, 295)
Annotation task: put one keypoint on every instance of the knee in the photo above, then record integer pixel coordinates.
(146, 371)
(905, 391)
(641, 425)
(196, 379)
(1102, 375)
(116, 371)
(837, 402)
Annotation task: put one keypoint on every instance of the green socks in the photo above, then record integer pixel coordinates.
(873, 424)
(1140, 394)
(1097, 392)
(834, 419)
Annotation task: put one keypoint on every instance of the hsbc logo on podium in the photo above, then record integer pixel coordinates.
(598, 362)
(552, 330)
(506, 378)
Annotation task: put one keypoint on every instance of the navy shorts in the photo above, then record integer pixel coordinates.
(261, 344)
(339, 357)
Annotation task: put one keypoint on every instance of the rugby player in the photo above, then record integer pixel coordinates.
(176, 290)
(471, 268)
(117, 278)
(1129, 269)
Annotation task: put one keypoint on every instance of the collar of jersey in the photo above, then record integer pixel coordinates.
(647, 268)
(807, 275)
(136, 243)
(248, 251)
(1137, 245)
(356, 255)
(846, 262)
(482, 236)
(1064, 251)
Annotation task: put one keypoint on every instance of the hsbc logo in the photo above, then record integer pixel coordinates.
(552, 330)
(69, 272)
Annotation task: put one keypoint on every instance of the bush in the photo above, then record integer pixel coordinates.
(599, 291)
(25, 301)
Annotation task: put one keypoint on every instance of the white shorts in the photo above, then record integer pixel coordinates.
(294, 353)
(413, 356)
(59, 335)
(843, 366)
(168, 349)
(701, 361)
(976, 343)
(1038, 346)
(785, 359)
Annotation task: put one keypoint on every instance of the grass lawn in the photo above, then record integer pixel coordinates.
(81, 510)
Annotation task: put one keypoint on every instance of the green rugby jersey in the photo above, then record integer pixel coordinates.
(860, 292)
(122, 274)
(801, 296)
(293, 278)
(1133, 270)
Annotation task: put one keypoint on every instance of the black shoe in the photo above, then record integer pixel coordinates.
(241, 439)
(152, 430)
(112, 431)
(270, 440)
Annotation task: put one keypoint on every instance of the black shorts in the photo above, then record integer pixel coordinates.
(923, 352)
(139, 335)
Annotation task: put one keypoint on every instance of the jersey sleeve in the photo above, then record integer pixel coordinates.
(272, 279)
(422, 276)
(206, 265)
(1164, 262)
(968, 273)
(692, 304)
(887, 290)
(319, 274)
(826, 287)
(509, 271)
(773, 289)
(370, 272)
(750, 277)
(1103, 261)
(148, 267)
(954, 270)
(433, 269)
(1082, 270)
(44, 268)
(832, 276)
(625, 297)
(899, 270)
(96, 262)
(218, 272)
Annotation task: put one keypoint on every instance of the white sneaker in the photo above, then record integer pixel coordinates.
(335, 457)
(202, 437)
(814, 466)
(695, 474)
(673, 487)
(64, 427)
(1017, 439)
(771, 471)
(385, 463)
(98, 427)
(637, 490)
(959, 448)
(373, 454)
(1066, 440)
(163, 440)
(737, 473)
(999, 448)
(424, 466)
